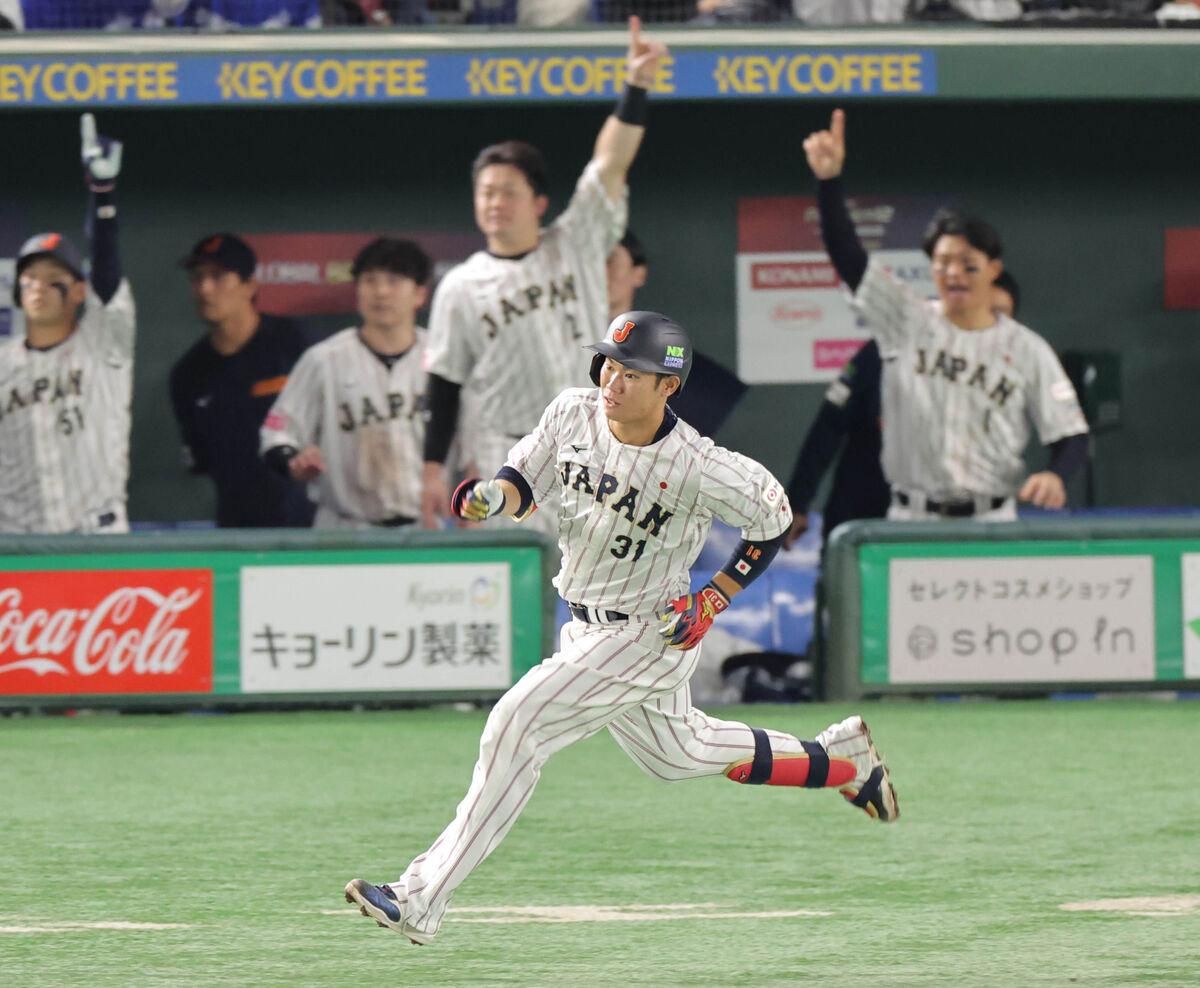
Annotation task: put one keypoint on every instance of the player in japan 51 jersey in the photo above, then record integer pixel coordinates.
(511, 318)
(351, 417)
(634, 491)
(961, 383)
(65, 387)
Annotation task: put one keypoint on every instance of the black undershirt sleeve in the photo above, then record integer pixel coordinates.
(820, 447)
(837, 229)
(1067, 454)
(441, 398)
(278, 458)
(106, 260)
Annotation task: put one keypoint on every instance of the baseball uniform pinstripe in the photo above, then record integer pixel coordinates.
(514, 325)
(631, 521)
(64, 424)
(368, 421)
(957, 404)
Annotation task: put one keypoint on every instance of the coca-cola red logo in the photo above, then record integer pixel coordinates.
(106, 631)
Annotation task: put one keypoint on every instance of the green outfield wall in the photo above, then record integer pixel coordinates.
(1023, 607)
(215, 619)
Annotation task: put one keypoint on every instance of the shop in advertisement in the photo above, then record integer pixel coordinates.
(795, 323)
(106, 631)
(1190, 566)
(989, 619)
(359, 628)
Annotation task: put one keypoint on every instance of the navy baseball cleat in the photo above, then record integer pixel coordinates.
(871, 789)
(379, 902)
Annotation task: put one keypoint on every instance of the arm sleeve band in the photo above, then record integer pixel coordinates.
(278, 457)
(749, 559)
(1067, 454)
(837, 229)
(522, 485)
(631, 106)
(106, 261)
(442, 398)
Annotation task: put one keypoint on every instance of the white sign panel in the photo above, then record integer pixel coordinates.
(1028, 619)
(795, 323)
(444, 626)
(1191, 615)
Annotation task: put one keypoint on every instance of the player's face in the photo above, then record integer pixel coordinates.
(218, 293)
(506, 208)
(623, 279)
(387, 300)
(633, 397)
(50, 294)
(963, 276)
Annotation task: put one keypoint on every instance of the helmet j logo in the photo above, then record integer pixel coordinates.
(620, 334)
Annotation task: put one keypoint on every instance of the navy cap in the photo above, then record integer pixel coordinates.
(227, 250)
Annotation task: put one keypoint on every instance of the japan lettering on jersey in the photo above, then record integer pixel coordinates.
(515, 325)
(957, 404)
(366, 418)
(632, 519)
(64, 424)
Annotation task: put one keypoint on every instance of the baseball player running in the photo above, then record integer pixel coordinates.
(635, 490)
(65, 388)
(960, 382)
(351, 416)
(512, 317)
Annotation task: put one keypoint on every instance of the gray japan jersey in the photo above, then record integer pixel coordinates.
(957, 404)
(64, 423)
(632, 519)
(367, 420)
(515, 326)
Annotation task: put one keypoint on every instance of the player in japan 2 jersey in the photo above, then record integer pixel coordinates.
(961, 383)
(351, 417)
(66, 386)
(635, 490)
(511, 319)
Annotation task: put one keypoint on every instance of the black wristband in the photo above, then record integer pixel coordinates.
(631, 106)
(278, 458)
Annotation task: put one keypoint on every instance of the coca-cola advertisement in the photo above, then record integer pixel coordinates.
(106, 631)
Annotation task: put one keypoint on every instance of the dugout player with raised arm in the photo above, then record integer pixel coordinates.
(512, 317)
(351, 418)
(633, 490)
(223, 387)
(961, 383)
(66, 386)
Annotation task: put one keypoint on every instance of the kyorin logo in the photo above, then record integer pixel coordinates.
(484, 593)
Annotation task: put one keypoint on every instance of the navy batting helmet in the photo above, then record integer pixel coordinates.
(52, 245)
(645, 341)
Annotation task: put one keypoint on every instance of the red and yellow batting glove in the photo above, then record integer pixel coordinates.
(690, 617)
(477, 500)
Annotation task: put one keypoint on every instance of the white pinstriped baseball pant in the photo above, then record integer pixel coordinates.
(619, 676)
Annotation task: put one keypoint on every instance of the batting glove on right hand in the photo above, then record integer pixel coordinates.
(690, 617)
(477, 500)
(101, 155)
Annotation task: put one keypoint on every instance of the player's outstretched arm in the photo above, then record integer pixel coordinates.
(826, 149)
(621, 136)
(101, 158)
(479, 500)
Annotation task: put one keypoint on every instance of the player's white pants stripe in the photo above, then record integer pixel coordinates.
(620, 676)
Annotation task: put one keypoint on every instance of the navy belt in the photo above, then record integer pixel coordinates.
(952, 509)
(595, 615)
(396, 521)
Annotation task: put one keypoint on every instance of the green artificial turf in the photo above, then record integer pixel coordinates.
(245, 828)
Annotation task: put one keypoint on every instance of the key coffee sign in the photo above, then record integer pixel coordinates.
(106, 631)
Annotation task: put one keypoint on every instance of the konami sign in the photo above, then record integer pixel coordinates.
(793, 274)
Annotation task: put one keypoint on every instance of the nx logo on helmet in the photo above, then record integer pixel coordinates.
(620, 334)
(674, 357)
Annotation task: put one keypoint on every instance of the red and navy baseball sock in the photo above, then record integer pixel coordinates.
(813, 768)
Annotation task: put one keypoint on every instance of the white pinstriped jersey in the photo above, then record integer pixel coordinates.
(957, 404)
(516, 325)
(366, 418)
(64, 424)
(632, 519)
